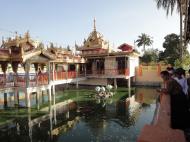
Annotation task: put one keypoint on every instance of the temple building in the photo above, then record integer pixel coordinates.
(27, 66)
(103, 64)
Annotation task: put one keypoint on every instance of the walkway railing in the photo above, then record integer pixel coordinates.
(10, 80)
(107, 72)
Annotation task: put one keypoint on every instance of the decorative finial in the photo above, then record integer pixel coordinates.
(94, 24)
(27, 35)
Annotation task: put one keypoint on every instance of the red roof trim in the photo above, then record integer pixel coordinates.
(126, 47)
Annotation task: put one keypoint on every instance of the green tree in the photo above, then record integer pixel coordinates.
(169, 6)
(172, 50)
(150, 55)
(184, 63)
(144, 40)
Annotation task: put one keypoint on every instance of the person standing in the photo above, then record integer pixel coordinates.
(179, 108)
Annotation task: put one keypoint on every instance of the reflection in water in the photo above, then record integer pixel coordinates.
(118, 119)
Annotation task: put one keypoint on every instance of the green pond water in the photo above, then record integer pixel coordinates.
(84, 118)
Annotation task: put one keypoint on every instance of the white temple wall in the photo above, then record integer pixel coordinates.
(133, 62)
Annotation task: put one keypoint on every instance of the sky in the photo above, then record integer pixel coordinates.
(65, 21)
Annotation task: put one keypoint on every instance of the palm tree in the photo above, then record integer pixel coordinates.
(144, 40)
(169, 6)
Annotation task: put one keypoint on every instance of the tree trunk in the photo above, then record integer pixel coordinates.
(181, 37)
(144, 47)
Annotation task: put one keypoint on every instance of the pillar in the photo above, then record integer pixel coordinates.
(84, 69)
(54, 107)
(38, 99)
(50, 122)
(115, 83)
(15, 69)
(27, 98)
(54, 115)
(29, 124)
(5, 100)
(53, 71)
(27, 75)
(49, 73)
(17, 96)
(36, 71)
(77, 75)
(43, 97)
(66, 70)
(129, 86)
(49, 95)
(53, 94)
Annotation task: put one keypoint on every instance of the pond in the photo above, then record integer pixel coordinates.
(78, 116)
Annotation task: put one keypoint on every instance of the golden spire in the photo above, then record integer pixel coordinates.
(94, 24)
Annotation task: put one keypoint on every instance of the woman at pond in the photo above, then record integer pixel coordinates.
(179, 107)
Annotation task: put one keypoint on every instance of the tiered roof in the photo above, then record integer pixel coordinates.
(24, 48)
(95, 40)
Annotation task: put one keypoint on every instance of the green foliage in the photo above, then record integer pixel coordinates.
(168, 5)
(150, 55)
(144, 40)
(172, 50)
(184, 63)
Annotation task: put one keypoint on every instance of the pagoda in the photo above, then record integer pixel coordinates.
(103, 63)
